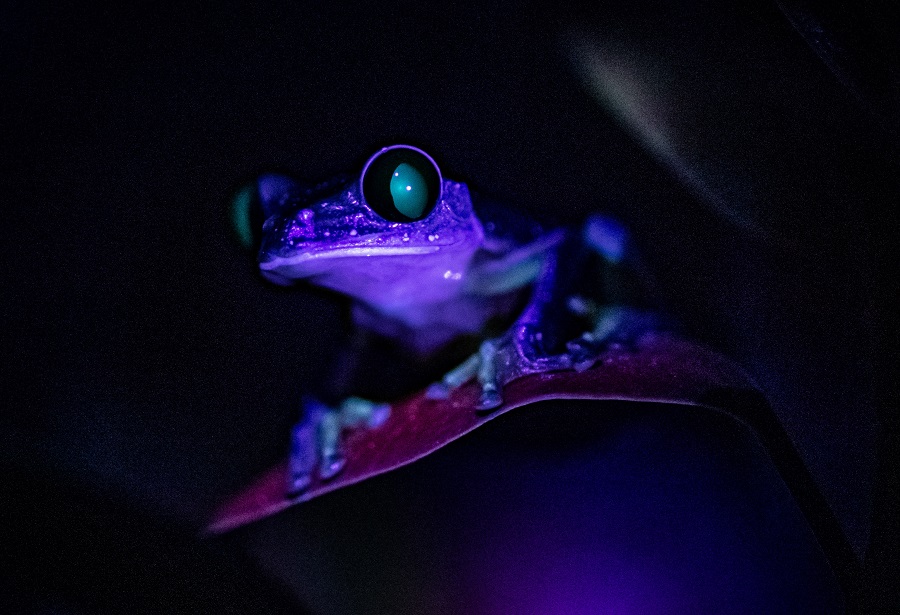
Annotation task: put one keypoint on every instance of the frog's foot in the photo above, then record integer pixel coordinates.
(317, 440)
(585, 350)
(498, 361)
(615, 327)
(304, 448)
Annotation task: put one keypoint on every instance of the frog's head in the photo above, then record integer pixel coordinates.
(396, 236)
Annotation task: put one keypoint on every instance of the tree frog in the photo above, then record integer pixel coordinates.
(425, 264)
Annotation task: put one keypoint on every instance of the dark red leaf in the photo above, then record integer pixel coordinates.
(663, 369)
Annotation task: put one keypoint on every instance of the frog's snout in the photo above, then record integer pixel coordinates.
(285, 235)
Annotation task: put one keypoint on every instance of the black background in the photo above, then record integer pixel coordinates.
(147, 364)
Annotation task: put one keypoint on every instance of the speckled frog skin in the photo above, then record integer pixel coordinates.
(423, 266)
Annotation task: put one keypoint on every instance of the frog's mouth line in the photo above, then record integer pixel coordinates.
(278, 262)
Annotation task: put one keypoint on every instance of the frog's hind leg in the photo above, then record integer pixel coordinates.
(614, 326)
(623, 313)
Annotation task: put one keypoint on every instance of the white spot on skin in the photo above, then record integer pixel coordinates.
(431, 238)
(405, 237)
(408, 188)
(353, 232)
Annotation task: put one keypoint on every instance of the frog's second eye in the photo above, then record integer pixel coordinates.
(401, 183)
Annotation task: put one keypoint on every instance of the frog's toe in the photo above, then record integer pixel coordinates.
(488, 377)
(331, 454)
(380, 414)
(298, 484)
(331, 465)
(437, 391)
(489, 399)
(358, 412)
(583, 352)
(453, 379)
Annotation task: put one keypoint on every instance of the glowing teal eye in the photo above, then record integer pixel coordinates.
(409, 191)
(401, 184)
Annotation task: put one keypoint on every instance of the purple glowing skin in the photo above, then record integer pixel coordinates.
(423, 267)
(393, 267)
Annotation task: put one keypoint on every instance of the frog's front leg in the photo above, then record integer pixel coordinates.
(537, 341)
(526, 347)
(317, 439)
